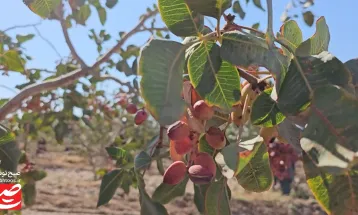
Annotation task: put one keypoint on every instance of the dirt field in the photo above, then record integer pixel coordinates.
(69, 188)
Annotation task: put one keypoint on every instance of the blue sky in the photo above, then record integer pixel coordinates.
(341, 17)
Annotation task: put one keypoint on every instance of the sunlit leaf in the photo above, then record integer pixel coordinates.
(217, 81)
(180, 20)
(256, 174)
(42, 8)
(337, 194)
(318, 42)
(291, 35)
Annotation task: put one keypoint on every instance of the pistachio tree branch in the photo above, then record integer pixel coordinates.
(69, 78)
(68, 40)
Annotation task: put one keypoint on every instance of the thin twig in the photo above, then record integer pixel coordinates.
(47, 41)
(154, 29)
(8, 88)
(120, 43)
(68, 41)
(22, 26)
(109, 77)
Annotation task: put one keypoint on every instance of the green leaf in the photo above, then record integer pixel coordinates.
(204, 146)
(213, 8)
(165, 192)
(12, 61)
(150, 147)
(180, 20)
(38, 175)
(118, 154)
(161, 65)
(148, 206)
(102, 14)
(142, 160)
(199, 196)
(251, 147)
(318, 42)
(319, 70)
(308, 17)
(291, 35)
(217, 199)
(9, 151)
(29, 193)
(264, 110)
(160, 166)
(216, 81)
(331, 137)
(24, 38)
(111, 3)
(352, 66)
(256, 176)
(42, 8)
(109, 185)
(238, 9)
(257, 3)
(337, 194)
(243, 49)
(82, 14)
(227, 159)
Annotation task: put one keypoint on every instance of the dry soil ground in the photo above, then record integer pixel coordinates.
(70, 189)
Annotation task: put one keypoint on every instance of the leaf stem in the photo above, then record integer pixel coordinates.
(269, 34)
(299, 67)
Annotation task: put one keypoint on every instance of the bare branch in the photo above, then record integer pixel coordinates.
(34, 89)
(120, 43)
(22, 26)
(47, 41)
(68, 41)
(69, 78)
